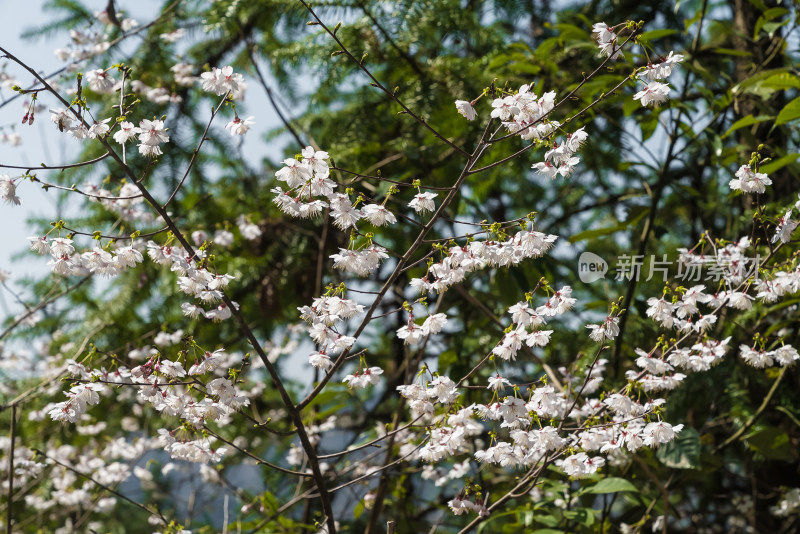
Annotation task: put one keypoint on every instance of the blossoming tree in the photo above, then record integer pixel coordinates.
(387, 329)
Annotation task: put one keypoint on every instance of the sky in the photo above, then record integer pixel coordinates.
(42, 143)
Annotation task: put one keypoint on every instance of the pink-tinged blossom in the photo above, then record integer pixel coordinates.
(363, 378)
(748, 181)
(786, 226)
(238, 126)
(466, 109)
(756, 358)
(100, 81)
(221, 81)
(606, 40)
(658, 433)
(62, 118)
(653, 93)
(99, 129)
(126, 132)
(8, 191)
(662, 70)
(423, 202)
(497, 382)
(580, 465)
(152, 133)
(378, 215)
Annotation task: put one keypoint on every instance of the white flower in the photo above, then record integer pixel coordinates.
(411, 334)
(127, 131)
(170, 368)
(223, 238)
(606, 40)
(99, 81)
(99, 129)
(61, 246)
(152, 133)
(538, 338)
(320, 360)
(316, 159)
(364, 378)
(295, 173)
(221, 81)
(653, 93)
(128, 24)
(238, 126)
(423, 202)
(249, 231)
(173, 36)
(547, 169)
(785, 227)
(659, 432)
(62, 118)
(757, 358)
(149, 150)
(434, 323)
(378, 215)
(580, 465)
(497, 382)
(748, 181)
(8, 191)
(661, 70)
(785, 355)
(466, 109)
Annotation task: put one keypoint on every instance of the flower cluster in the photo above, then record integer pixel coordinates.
(322, 317)
(194, 279)
(607, 40)
(128, 203)
(441, 389)
(524, 113)
(525, 317)
(66, 262)
(655, 92)
(223, 81)
(560, 159)
(412, 333)
(477, 255)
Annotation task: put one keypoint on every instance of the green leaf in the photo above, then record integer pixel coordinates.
(448, 359)
(548, 520)
(584, 516)
(779, 163)
(753, 84)
(731, 52)
(647, 37)
(683, 452)
(771, 27)
(768, 15)
(782, 81)
(649, 125)
(790, 112)
(612, 485)
(746, 121)
(635, 215)
(771, 442)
